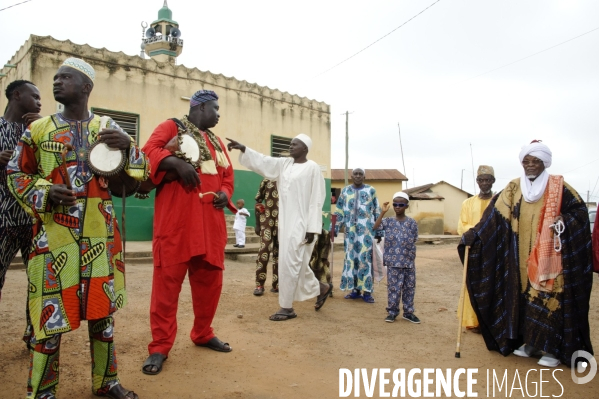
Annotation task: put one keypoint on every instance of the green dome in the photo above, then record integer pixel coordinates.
(165, 13)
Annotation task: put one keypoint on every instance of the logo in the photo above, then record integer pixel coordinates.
(589, 363)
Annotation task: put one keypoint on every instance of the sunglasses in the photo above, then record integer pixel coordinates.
(399, 205)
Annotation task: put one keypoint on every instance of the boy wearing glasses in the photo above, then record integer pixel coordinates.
(401, 234)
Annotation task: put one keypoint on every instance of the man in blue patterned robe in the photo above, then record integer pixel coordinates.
(357, 210)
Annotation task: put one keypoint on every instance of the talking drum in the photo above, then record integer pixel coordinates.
(188, 149)
(109, 164)
(183, 146)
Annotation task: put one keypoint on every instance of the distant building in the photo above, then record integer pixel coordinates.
(436, 207)
(386, 182)
(140, 93)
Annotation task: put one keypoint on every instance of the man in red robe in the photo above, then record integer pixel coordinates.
(189, 228)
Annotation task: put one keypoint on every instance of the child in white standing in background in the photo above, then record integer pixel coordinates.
(240, 222)
(401, 234)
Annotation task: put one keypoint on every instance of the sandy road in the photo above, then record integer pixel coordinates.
(299, 358)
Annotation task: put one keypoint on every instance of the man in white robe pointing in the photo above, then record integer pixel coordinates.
(301, 196)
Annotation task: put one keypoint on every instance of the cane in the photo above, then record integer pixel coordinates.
(461, 303)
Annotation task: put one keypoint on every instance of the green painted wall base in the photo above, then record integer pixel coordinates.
(139, 216)
(140, 213)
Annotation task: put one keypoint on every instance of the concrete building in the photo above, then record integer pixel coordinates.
(140, 93)
(385, 181)
(436, 207)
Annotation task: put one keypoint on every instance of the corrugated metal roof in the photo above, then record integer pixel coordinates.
(371, 174)
(425, 196)
(457, 188)
(418, 190)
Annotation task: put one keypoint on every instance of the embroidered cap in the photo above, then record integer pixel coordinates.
(485, 170)
(81, 66)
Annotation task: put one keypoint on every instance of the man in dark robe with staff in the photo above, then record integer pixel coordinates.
(530, 266)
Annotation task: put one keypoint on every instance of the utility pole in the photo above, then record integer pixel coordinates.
(346, 145)
(462, 180)
(473, 178)
(401, 148)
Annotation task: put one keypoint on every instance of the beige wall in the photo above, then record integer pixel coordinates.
(249, 113)
(385, 189)
(452, 205)
(428, 214)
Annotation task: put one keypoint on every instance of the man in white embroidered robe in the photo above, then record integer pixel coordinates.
(301, 197)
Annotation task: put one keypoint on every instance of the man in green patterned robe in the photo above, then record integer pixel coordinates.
(75, 268)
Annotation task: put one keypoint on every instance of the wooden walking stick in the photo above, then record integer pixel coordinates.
(66, 148)
(461, 303)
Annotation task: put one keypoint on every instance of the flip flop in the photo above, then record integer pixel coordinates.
(353, 295)
(282, 316)
(217, 345)
(155, 359)
(320, 302)
(368, 298)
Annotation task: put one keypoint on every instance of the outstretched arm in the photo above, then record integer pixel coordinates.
(234, 145)
(225, 193)
(266, 166)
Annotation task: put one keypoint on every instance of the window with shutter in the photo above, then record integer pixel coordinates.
(127, 121)
(279, 146)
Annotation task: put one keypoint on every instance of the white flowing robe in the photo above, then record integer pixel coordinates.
(301, 197)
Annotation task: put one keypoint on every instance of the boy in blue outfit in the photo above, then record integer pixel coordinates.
(401, 234)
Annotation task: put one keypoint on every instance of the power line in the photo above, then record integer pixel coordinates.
(586, 164)
(376, 41)
(593, 192)
(6, 8)
(532, 55)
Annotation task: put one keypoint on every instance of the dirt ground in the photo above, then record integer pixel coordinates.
(298, 358)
